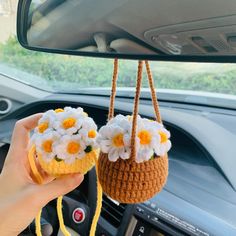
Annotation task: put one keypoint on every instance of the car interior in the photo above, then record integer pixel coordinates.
(199, 198)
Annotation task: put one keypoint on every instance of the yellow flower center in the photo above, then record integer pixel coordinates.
(73, 147)
(92, 133)
(47, 146)
(163, 136)
(145, 137)
(117, 140)
(68, 122)
(42, 127)
(58, 110)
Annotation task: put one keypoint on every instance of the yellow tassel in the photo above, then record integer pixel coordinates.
(99, 204)
(37, 224)
(97, 211)
(39, 180)
(60, 217)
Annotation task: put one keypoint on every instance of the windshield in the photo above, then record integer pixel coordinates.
(71, 74)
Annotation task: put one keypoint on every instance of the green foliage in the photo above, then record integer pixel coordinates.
(68, 72)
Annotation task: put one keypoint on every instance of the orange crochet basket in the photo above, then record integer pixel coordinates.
(126, 180)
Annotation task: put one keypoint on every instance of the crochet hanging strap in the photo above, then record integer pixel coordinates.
(113, 89)
(135, 111)
(39, 180)
(139, 78)
(136, 100)
(153, 93)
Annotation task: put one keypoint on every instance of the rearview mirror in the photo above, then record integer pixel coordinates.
(135, 29)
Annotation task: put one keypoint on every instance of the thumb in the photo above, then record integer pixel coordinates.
(59, 186)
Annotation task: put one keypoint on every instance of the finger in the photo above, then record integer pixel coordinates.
(60, 186)
(17, 155)
(20, 137)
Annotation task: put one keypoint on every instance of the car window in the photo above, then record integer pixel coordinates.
(68, 73)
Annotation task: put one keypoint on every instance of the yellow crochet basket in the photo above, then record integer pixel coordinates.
(57, 167)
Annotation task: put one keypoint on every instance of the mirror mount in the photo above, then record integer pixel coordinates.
(102, 42)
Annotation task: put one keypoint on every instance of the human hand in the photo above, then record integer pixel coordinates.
(20, 197)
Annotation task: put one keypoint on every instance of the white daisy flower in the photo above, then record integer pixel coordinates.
(144, 155)
(117, 119)
(123, 121)
(45, 145)
(33, 138)
(70, 148)
(45, 123)
(69, 122)
(77, 110)
(88, 133)
(165, 144)
(65, 134)
(89, 124)
(148, 139)
(115, 141)
(115, 138)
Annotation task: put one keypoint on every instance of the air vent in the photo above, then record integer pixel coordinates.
(5, 106)
(210, 36)
(220, 44)
(202, 43)
(112, 212)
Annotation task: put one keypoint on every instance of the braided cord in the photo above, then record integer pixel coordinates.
(113, 89)
(135, 111)
(153, 93)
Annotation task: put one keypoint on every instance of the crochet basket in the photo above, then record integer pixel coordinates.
(126, 180)
(56, 169)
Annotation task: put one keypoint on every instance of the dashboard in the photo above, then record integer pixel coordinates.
(199, 197)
